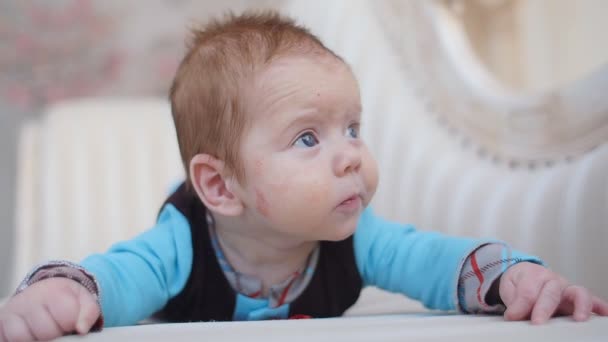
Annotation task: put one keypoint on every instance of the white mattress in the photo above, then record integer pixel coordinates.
(397, 327)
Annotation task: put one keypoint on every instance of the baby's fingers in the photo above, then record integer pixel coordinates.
(527, 291)
(74, 310)
(548, 300)
(89, 311)
(581, 300)
(14, 328)
(42, 324)
(600, 306)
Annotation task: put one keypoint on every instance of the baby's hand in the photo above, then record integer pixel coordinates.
(531, 291)
(48, 309)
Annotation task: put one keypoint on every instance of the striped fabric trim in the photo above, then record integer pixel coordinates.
(480, 270)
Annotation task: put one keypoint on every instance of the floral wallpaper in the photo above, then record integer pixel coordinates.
(53, 50)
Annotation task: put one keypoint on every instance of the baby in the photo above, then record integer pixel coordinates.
(273, 222)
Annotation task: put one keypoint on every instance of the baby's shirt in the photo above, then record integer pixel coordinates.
(137, 278)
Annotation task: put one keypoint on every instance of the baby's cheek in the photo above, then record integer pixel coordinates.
(370, 174)
(261, 203)
(292, 194)
(314, 191)
(271, 196)
(259, 168)
(298, 192)
(314, 194)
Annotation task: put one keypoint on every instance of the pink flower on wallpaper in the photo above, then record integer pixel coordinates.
(60, 49)
(75, 11)
(55, 50)
(19, 96)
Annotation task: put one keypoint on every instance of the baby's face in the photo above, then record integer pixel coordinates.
(308, 173)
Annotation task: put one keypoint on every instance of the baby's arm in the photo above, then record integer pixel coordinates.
(135, 279)
(486, 276)
(426, 266)
(139, 276)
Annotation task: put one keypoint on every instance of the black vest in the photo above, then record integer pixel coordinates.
(207, 295)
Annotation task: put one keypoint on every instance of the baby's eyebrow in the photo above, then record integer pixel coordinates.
(353, 111)
(303, 116)
(356, 109)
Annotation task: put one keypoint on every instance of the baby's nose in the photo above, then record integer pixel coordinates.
(346, 160)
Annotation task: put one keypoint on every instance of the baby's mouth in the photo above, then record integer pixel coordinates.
(350, 204)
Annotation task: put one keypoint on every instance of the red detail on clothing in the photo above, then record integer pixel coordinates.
(255, 294)
(300, 316)
(479, 276)
(286, 290)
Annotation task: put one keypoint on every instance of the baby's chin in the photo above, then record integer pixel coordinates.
(343, 232)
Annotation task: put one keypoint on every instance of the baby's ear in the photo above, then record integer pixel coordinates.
(208, 176)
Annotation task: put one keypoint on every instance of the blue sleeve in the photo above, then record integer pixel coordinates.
(421, 265)
(137, 277)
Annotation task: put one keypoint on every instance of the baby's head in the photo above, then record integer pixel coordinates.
(267, 120)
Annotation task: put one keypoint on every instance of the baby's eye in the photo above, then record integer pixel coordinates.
(353, 131)
(306, 140)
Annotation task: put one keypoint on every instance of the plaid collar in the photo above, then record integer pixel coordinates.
(251, 286)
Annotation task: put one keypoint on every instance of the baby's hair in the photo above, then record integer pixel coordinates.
(221, 61)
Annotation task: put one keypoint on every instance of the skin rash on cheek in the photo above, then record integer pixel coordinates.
(257, 167)
(261, 203)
